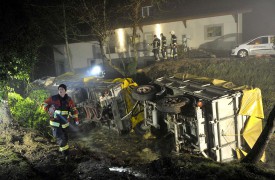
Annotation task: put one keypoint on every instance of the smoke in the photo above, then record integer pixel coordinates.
(260, 21)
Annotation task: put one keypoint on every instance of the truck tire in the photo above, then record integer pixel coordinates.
(144, 92)
(140, 129)
(172, 104)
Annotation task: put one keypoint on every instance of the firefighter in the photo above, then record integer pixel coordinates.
(173, 45)
(156, 46)
(163, 46)
(59, 107)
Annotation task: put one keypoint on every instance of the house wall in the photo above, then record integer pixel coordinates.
(195, 31)
(118, 46)
(60, 59)
(82, 54)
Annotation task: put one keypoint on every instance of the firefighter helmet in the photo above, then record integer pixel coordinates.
(172, 32)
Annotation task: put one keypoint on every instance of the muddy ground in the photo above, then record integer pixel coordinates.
(98, 152)
(101, 153)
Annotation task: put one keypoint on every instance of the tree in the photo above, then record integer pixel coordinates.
(20, 41)
(99, 16)
(132, 9)
(57, 22)
(259, 147)
(130, 12)
(96, 16)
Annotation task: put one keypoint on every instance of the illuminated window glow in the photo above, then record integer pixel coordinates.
(121, 40)
(158, 30)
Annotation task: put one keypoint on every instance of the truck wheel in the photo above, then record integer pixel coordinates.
(242, 53)
(140, 129)
(144, 92)
(172, 104)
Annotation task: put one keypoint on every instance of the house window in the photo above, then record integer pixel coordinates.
(148, 39)
(110, 49)
(92, 62)
(213, 31)
(272, 40)
(61, 68)
(137, 38)
(96, 52)
(145, 11)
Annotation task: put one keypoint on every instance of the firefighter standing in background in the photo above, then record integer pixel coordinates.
(59, 106)
(163, 46)
(174, 45)
(156, 46)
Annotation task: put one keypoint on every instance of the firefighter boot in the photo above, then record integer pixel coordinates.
(66, 155)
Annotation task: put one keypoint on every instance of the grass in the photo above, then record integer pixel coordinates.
(253, 72)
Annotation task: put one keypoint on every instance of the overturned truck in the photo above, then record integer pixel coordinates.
(218, 122)
(208, 117)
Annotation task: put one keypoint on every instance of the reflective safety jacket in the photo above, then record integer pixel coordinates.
(163, 41)
(64, 107)
(156, 43)
(174, 39)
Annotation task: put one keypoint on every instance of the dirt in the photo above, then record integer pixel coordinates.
(102, 153)
(97, 152)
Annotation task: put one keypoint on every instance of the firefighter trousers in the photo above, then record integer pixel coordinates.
(61, 135)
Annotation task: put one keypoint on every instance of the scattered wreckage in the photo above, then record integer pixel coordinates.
(206, 117)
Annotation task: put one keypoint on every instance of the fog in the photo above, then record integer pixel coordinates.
(261, 21)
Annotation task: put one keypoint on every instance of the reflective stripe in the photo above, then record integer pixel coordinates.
(65, 125)
(55, 124)
(75, 116)
(57, 111)
(64, 112)
(64, 148)
(60, 112)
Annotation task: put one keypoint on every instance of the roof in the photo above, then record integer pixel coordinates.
(196, 9)
(174, 10)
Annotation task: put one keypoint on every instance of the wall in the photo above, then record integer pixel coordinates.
(194, 31)
(119, 42)
(81, 53)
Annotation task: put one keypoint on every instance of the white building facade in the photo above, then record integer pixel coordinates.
(219, 32)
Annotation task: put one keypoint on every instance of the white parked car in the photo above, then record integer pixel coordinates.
(263, 45)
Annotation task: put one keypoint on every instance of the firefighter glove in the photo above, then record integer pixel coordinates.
(51, 111)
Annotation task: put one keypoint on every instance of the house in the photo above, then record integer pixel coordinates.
(211, 24)
(83, 54)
